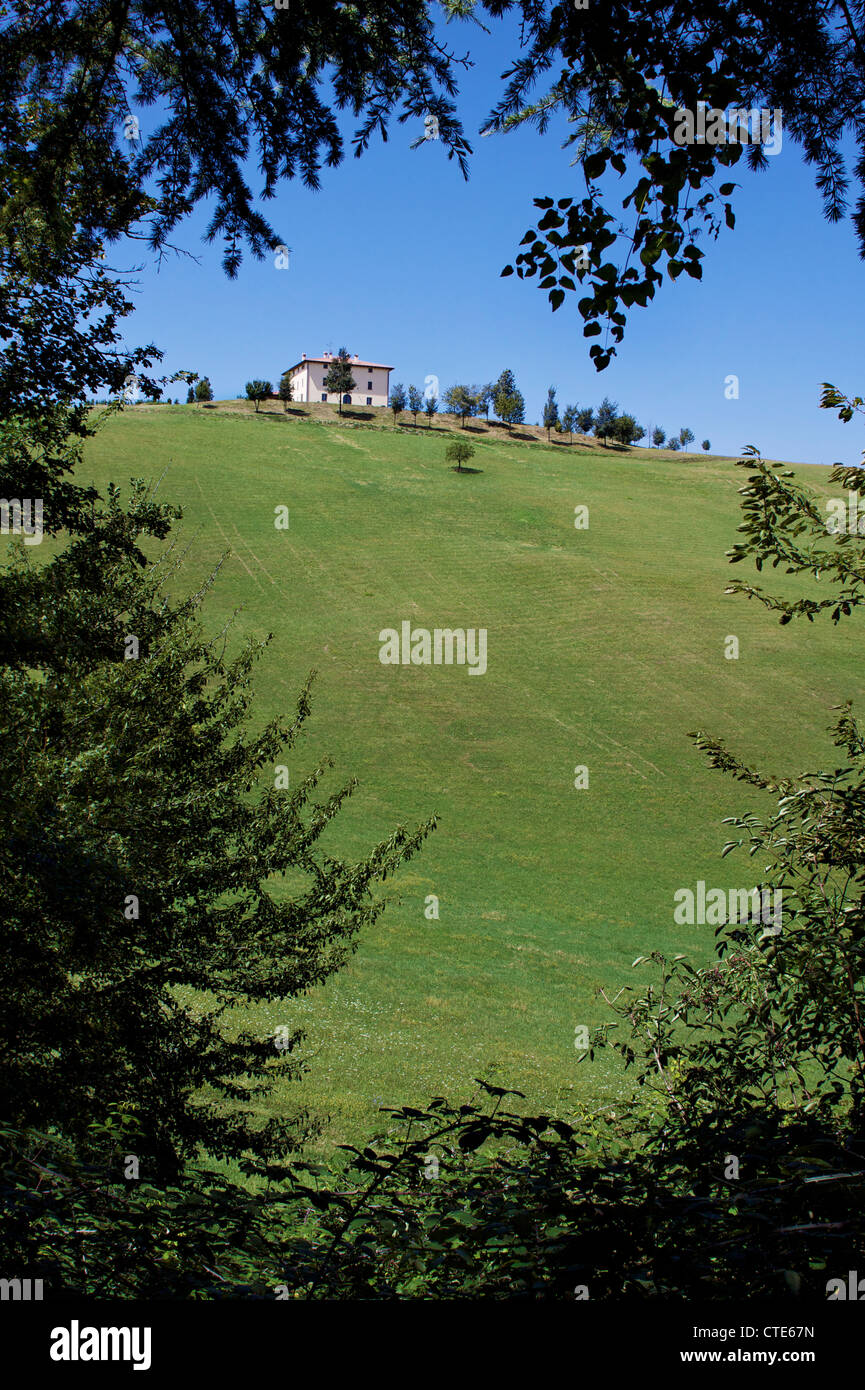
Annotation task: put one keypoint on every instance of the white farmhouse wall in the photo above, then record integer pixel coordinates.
(307, 383)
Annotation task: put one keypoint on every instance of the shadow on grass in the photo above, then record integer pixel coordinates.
(455, 469)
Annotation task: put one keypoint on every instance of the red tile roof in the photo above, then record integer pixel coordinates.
(326, 361)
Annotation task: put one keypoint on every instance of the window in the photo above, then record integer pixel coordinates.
(369, 400)
(369, 386)
(324, 395)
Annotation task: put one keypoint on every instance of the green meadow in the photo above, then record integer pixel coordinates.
(606, 646)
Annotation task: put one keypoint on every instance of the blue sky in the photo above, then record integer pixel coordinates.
(398, 258)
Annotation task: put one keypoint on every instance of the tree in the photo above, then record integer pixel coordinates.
(397, 400)
(624, 115)
(190, 396)
(686, 437)
(605, 419)
(204, 390)
(141, 861)
(551, 411)
(460, 401)
(585, 419)
(569, 420)
(639, 115)
(510, 409)
(707, 444)
(658, 436)
(430, 406)
(485, 398)
(674, 444)
(508, 402)
(415, 402)
(258, 391)
(626, 430)
(339, 380)
(394, 65)
(285, 391)
(459, 451)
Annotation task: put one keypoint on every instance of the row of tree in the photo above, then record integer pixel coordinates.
(609, 423)
(465, 402)
(502, 396)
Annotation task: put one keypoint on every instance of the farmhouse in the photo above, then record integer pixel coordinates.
(373, 380)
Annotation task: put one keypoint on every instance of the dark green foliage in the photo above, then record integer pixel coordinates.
(459, 451)
(551, 411)
(430, 406)
(619, 76)
(461, 401)
(259, 81)
(415, 401)
(658, 436)
(285, 394)
(707, 444)
(339, 380)
(143, 857)
(508, 402)
(606, 419)
(258, 391)
(204, 390)
(626, 430)
(686, 437)
(397, 400)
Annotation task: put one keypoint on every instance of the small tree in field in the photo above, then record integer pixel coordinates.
(415, 402)
(686, 437)
(459, 451)
(339, 380)
(485, 398)
(258, 391)
(584, 419)
(551, 411)
(285, 390)
(397, 400)
(431, 405)
(204, 390)
(190, 396)
(569, 420)
(707, 444)
(674, 444)
(658, 436)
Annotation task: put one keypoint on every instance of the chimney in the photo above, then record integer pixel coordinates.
(303, 357)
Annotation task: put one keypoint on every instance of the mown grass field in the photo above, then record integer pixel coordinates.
(605, 647)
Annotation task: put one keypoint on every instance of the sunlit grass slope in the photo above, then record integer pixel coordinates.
(606, 646)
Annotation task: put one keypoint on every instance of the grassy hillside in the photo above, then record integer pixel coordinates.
(605, 647)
